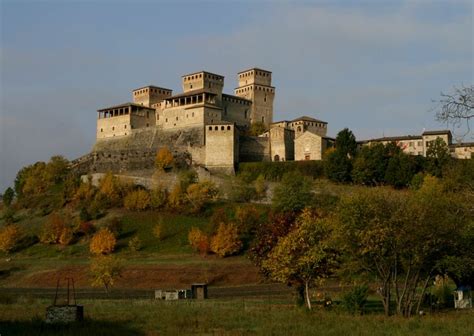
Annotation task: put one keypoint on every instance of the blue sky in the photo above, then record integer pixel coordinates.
(372, 66)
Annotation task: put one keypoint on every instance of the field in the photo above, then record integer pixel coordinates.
(222, 317)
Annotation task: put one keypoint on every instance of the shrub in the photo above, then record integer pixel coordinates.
(52, 229)
(186, 178)
(164, 159)
(115, 226)
(226, 241)
(240, 191)
(110, 191)
(198, 240)
(8, 196)
(10, 236)
(137, 200)
(247, 218)
(199, 194)
(135, 244)
(260, 186)
(176, 198)
(355, 300)
(293, 193)
(86, 228)
(158, 198)
(66, 236)
(274, 171)
(103, 242)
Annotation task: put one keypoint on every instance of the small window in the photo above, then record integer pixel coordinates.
(210, 128)
(222, 128)
(192, 114)
(166, 119)
(228, 128)
(147, 124)
(125, 126)
(176, 118)
(216, 128)
(101, 129)
(113, 128)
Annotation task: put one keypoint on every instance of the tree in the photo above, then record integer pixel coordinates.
(198, 194)
(135, 244)
(8, 196)
(164, 159)
(370, 165)
(438, 156)
(293, 194)
(456, 107)
(10, 236)
(401, 168)
(338, 166)
(105, 270)
(226, 241)
(137, 200)
(103, 242)
(110, 191)
(257, 128)
(52, 229)
(305, 255)
(346, 143)
(198, 240)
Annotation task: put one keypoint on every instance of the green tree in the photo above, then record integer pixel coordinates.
(293, 194)
(257, 128)
(346, 143)
(305, 255)
(338, 166)
(370, 165)
(438, 157)
(8, 196)
(400, 170)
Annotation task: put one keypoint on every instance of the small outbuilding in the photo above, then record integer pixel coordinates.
(462, 297)
(199, 291)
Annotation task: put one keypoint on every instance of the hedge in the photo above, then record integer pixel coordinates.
(274, 171)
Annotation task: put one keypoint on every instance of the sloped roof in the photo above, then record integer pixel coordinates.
(306, 118)
(125, 105)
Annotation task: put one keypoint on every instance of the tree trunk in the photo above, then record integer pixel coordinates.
(420, 299)
(308, 300)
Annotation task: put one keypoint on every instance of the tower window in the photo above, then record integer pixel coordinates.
(228, 128)
(263, 119)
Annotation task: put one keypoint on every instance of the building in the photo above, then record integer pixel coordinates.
(205, 123)
(419, 144)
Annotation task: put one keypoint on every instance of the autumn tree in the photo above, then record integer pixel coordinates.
(52, 229)
(103, 242)
(10, 236)
(105, 270)
(137, 200)
(198, 240)
(164, 158)
(226, 241)
(306, 255)
(110, 191)
(198, 194)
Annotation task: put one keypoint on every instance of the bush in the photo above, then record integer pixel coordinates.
(199, 194)
(158, 198)
(226, 241)
(86, 228)
(66, 237)
(158, 231)
(52, 229)
(198, 240)
(293, 193)
(176, 198)
(164, 159)
(110, 191)
(10, 236)
(274, 171)
(240, 191)
(355, 300)
(137, 200)
(135, 244)
(103, 242)
(247, 218)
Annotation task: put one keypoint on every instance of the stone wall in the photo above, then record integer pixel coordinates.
(308, 146)
(222, 151)
(254, 149)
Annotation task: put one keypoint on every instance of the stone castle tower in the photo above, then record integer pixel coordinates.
(256, 85)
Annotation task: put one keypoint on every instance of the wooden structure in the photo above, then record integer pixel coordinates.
(67, 312)
(199, 291)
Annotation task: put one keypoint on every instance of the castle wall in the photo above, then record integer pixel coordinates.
(254, 149)
(113, 126)
(236, 110)
(203, 80)
(188, 116)
(222, 147)
(281, 144)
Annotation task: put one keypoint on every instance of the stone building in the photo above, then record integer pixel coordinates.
(204, 124)
(419, 144)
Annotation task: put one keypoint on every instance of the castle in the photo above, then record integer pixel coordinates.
(209, 126)
(206, 127)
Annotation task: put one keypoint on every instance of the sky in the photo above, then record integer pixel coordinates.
(372, 66)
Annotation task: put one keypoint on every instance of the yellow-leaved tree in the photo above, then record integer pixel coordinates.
(226, 241)
(105, 270)
(138, 200)
(198, 240)
(103, 242)
(10, 235)
(164, 159)
(305, 255)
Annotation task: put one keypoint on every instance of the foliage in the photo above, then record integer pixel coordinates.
(8, 196)
(355, 300)
(260, 186)
(164, 159)
(198, 240)
(305, 255)
(66, 236)
(114, 225)
(158, 197)
(135, 244)
(159, 231)
(105, 270)
(177, 198)
(187, 177)
(247, 218)
(338, 166)
(274, 171)
(103, 242)
(52, 229)
(443, 291)
(293, 193)
(257, 128)
(346, 143)
(370, 165)
(400, 170)
(198, 194)
(438, 157)
(10, 236)
(226, 241)
(110, 191)
(240, 191)
(137, 200)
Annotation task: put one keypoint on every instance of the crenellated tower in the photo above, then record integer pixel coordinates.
(256, 85)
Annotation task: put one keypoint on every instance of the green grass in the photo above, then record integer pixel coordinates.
(223, 317)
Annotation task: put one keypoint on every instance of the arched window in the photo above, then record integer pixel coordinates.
(216, 128)
(222, 128)
(228, 128)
